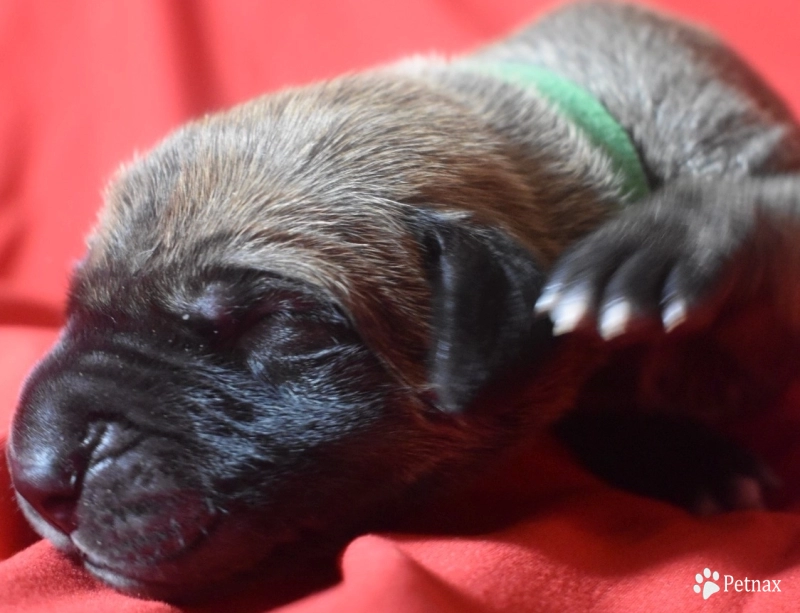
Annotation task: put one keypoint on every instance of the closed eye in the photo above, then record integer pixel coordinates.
(225, 311)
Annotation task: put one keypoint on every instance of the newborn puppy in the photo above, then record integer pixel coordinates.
(302, 311)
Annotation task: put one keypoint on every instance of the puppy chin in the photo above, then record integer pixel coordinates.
(216, 556)
(300, 566)
(209, 549)
(154, 588)
(149, 590)
(219, 564)
(203, 566)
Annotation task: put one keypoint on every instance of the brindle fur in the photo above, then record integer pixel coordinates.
(287, 310)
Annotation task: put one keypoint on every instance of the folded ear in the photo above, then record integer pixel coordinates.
(484, 288)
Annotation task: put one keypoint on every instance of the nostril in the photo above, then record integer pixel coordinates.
(51, 489)
(50, 478)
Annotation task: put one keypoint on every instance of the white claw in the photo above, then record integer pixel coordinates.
(674, 314)
(614, 319)
(547, 300)
(569, 312)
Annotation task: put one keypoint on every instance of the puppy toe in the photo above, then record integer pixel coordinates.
(670, 458)
(574, 307)
(632, 294)
(576, 286)
(688, 285)
(706, 505)
(739, 492)
(747, 493)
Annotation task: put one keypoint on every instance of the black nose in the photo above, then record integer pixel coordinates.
(51, 487)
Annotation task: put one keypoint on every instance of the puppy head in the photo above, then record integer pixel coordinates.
(280, 323)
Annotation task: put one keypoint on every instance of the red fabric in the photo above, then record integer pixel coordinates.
(85, 84)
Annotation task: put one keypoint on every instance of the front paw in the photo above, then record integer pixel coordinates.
(654, 264)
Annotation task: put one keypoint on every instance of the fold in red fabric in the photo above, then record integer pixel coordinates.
(87, 84)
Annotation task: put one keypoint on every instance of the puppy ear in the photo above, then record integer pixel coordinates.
(484, 288)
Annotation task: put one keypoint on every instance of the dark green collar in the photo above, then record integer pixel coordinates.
(586, 112)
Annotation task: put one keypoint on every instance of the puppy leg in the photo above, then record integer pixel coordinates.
(700, 258)
(680, 255)
(668, 457)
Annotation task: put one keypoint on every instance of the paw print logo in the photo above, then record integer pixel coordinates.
(705, 583)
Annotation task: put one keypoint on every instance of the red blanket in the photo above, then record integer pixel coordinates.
(84, 85)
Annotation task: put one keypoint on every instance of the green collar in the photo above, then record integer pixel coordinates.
(586, 112)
